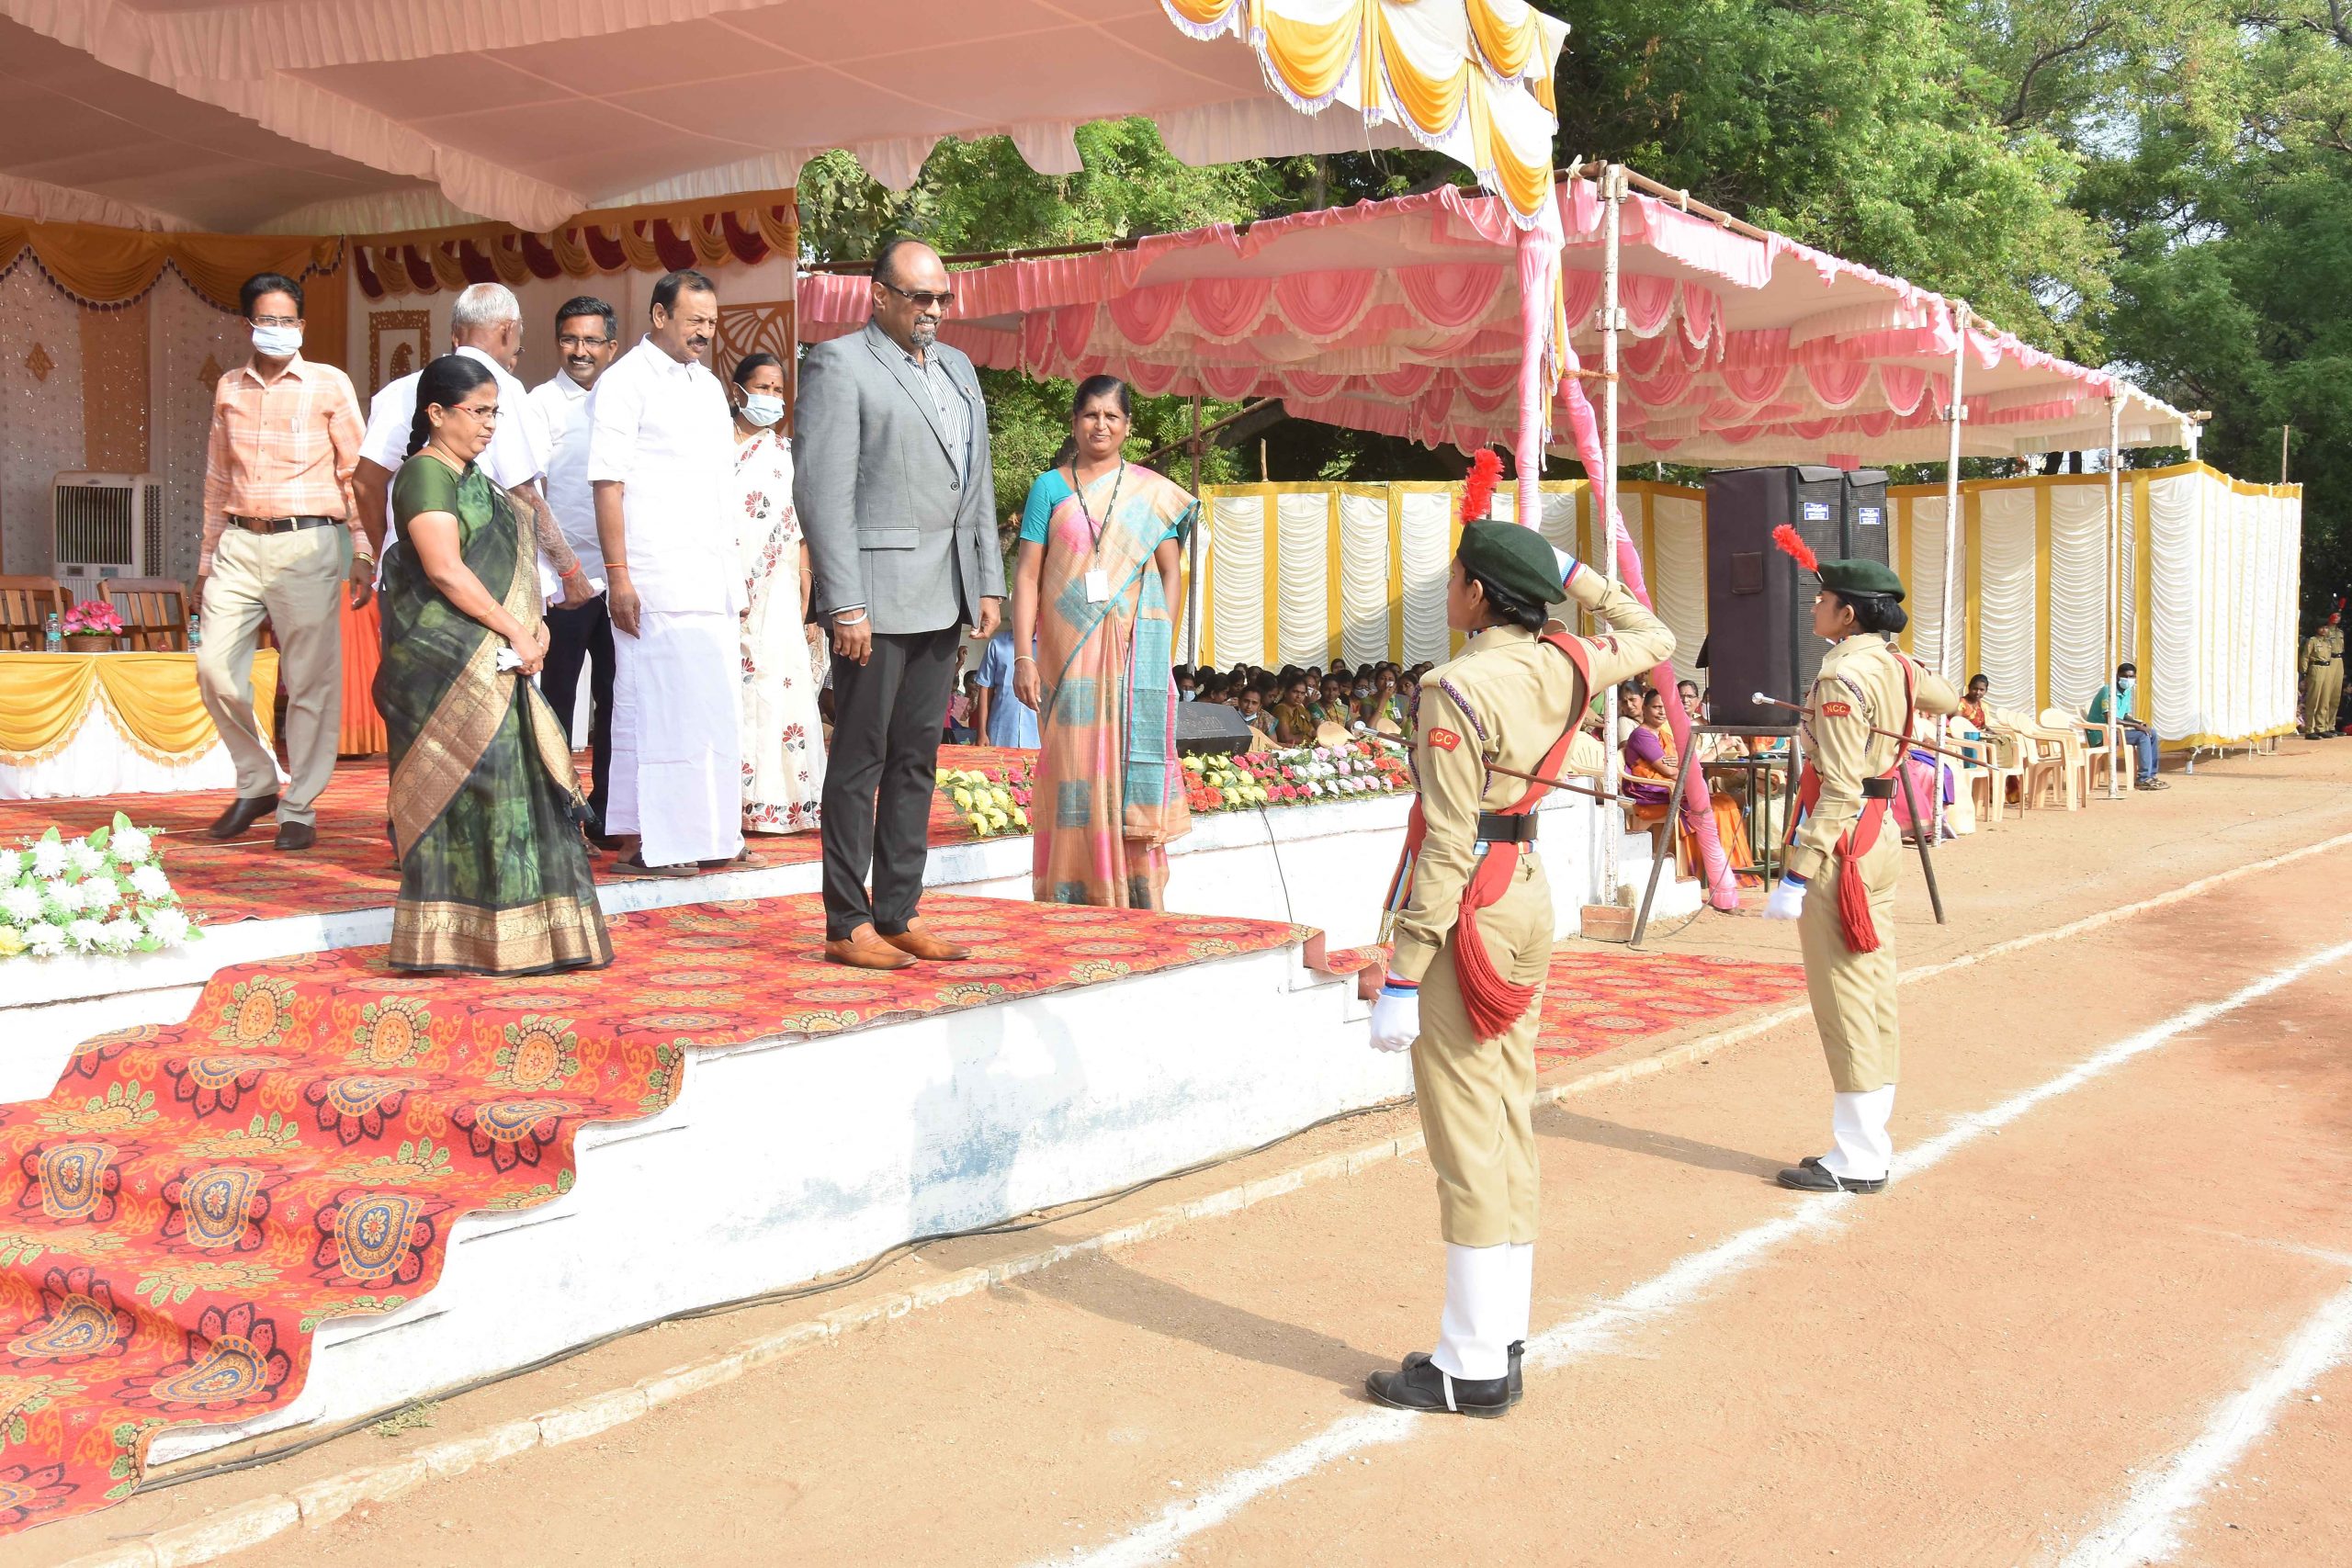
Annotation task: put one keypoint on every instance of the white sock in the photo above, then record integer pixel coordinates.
(1474, 1334)
(1863, 1151)
(1523, 1290)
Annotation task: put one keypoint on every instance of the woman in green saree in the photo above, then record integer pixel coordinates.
(485, 802)
(1096, 582)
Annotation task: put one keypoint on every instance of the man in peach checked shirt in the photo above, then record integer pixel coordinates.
(277, 502)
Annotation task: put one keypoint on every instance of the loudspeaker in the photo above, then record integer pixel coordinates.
(1759, 602)
(1209, 728)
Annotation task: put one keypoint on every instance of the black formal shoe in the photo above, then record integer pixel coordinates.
(1422, 1386)
(1812, 1176)
(1518, 1383)
(635, 866)
(242, 813)
(295, 835)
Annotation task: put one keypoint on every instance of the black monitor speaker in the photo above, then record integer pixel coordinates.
(1759, 602)
(1208, 728)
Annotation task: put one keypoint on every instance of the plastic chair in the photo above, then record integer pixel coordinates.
(2074, 749)
(1999, 763)
(2044, 760)
(2112, 756)
(26, 605)
(154, 612)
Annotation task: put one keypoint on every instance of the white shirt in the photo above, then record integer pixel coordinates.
(563, 405)
(661, 428)
(518, 453)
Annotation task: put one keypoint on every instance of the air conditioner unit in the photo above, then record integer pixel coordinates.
(106, 525)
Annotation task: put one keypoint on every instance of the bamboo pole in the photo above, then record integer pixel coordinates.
(1604, 491)
(1955, 414)
(1192, 545)
(2116, 751)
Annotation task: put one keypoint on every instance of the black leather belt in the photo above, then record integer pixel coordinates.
(1493, 828)
(1878, 789)
(282, 525)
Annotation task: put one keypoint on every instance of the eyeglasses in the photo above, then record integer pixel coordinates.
(278, 321)
(485, 413)
(920, 298)
(569, 341)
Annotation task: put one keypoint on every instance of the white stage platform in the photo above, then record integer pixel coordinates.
(789, 1157)
(1324, 866)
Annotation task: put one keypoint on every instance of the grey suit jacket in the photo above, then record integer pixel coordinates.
(894, 520)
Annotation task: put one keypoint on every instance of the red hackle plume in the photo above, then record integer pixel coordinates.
(1795, 548)
(1478, 490)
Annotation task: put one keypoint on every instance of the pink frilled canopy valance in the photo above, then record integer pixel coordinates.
(1403, 317)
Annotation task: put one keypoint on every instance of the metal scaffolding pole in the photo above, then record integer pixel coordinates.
(1193, 552)
(1613, 190)
(1954, 412)
(2114, 749)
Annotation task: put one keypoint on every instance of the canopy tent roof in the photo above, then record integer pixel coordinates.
(368, 115)
(1403, 317)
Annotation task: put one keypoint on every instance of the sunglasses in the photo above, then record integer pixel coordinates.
(921, 299)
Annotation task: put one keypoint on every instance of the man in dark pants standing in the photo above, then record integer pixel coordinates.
(892, 482)
(587, 336)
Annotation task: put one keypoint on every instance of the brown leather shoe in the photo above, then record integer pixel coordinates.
(922, 944)
(862, 949)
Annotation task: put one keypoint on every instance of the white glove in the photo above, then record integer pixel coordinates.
(1787, 901)
(1396, 1018)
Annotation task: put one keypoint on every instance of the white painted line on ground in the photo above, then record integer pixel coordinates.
(1597, 1328)
(2146, 1527)
(248, 1524)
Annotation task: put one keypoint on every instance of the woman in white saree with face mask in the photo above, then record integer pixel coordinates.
(784, 742)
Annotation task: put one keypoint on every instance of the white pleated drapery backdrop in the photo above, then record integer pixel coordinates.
(1313, 573)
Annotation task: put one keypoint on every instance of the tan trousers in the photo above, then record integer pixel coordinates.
(2323, 695)
(1477, 1097)
(293, 580)
(1853, 993)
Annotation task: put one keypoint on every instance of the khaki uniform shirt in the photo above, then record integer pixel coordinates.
(1506, 700)
(1860, 685)
(2318, 650)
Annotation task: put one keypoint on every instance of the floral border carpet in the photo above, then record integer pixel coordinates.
(351, 867)
(193, 1200)
(1594, 999)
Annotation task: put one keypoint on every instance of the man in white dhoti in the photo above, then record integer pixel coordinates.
(660, 453)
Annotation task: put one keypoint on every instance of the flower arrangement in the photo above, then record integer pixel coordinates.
(105, 893)
(93, 617)
(992, 802)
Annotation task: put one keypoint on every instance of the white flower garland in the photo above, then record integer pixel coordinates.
(105, 893)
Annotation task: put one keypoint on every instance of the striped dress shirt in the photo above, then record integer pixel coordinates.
(285, 447)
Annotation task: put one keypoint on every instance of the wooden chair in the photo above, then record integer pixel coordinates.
(26, 605)
(154, 612)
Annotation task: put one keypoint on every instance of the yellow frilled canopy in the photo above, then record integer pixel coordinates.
(1472, 79)
(46, 699)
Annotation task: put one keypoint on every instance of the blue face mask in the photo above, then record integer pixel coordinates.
(762, 409)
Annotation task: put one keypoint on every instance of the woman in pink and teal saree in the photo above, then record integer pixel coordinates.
(1094, 585)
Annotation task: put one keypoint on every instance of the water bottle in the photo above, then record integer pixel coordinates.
(194, 631)
(52, 638)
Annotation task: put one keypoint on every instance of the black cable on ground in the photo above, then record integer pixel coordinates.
(863, 1272)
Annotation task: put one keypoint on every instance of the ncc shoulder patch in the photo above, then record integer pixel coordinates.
(1445, 740)
(1837, 710)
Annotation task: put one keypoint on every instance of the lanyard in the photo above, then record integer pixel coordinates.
(1094, 529)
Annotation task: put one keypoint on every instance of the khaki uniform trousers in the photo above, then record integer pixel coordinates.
(1477, 1097)
(2325, 695)
(294, 581)
(1853, 993)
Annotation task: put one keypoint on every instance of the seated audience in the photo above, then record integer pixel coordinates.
(2117, 699)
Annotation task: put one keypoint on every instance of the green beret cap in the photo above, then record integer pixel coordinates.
(1860, 577)
(1518, 560)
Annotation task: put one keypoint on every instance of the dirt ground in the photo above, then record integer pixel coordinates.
(2020, 1343)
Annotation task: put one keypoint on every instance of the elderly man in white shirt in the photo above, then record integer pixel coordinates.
(587, 337)
(486, 324)
(660, 451)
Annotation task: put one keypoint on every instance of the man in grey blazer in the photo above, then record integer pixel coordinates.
(892, 482)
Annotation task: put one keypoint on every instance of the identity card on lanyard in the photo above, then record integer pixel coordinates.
(1098, 581)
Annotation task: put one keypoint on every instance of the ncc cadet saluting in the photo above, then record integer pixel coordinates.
(2322, 667)
(1844, 851)
(1473, 927)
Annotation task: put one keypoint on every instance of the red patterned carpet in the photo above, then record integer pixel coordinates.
(192, 1201)
(1596, 996)
(350, 866)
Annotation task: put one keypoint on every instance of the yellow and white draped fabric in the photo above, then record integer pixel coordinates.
(1310, 573)
(76, 725)
(1472, 79)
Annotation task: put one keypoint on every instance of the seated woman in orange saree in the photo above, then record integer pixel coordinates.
(1650, 767)
(1095, 579)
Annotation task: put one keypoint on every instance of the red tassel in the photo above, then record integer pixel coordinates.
(1854, 903)
(1493, 1001)
(1478, 490)
(1795, 548)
